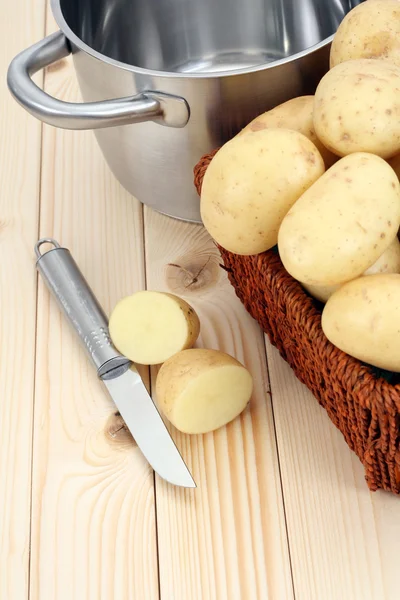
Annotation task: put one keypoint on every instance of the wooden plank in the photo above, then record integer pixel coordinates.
(227, 539)
(20, 26)
(344, 540)
(93, 530)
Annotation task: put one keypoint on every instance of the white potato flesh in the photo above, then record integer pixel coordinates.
(201, 390)
(343, 223)
(252, 182)
(370, 30)
(150, 327)
(357, 109)
(363, 319)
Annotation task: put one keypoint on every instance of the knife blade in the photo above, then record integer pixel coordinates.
(65, 281)
(147, 427)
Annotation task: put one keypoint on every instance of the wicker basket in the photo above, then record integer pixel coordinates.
(362, 403)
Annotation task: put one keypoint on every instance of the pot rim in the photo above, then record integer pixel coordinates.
(72, 37)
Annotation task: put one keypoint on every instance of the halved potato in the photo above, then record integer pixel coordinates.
(150, 327)
(201, 390)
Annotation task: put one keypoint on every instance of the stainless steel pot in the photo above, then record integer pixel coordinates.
(201, 68)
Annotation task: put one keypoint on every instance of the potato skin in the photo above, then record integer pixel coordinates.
(191, 318)
(357, 108)
(362, 319)
(389, 262)
(321, 292)
(343, 223)
(252, 182)
(370, 30)
(178, 371)
(295, 114)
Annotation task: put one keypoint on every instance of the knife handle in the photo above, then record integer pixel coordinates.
(65, 281)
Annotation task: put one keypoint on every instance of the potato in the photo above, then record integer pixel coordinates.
(370, 30)
(296, 114)
(362, 320)
(150, 327)
(343, 223)
(389, 262)
(357, 109)
(201, 390)
(321, 292)
(252, 182)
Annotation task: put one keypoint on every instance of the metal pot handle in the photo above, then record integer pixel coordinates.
(146, 106)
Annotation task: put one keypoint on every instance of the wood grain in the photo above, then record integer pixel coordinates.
(343, 538)
(227, 539)
(94, 504)
(93, 533)
(20, 142)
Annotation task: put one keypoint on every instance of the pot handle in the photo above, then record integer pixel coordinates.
(165, 109)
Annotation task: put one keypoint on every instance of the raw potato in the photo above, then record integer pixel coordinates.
(370, 30)
(343, 223)
(321, 292)
(201, 390)
(389, 262)
(363, 317)
(252, 182)
(357, 108)
(150, 327)
(296, 114)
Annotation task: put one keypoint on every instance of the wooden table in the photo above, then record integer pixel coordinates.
(281, 510)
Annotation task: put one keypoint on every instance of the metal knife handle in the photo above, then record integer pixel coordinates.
(74, 296)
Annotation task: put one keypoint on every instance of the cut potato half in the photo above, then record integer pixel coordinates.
(201, 390)
(150, 327)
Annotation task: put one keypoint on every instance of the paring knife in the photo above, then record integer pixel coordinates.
(125, 386)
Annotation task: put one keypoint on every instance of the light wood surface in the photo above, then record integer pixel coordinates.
(343, 538)
(227, 541)
(93, 512)
(20, 143)
(281, 511)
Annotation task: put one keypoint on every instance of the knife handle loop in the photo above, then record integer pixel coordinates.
(65, 281)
